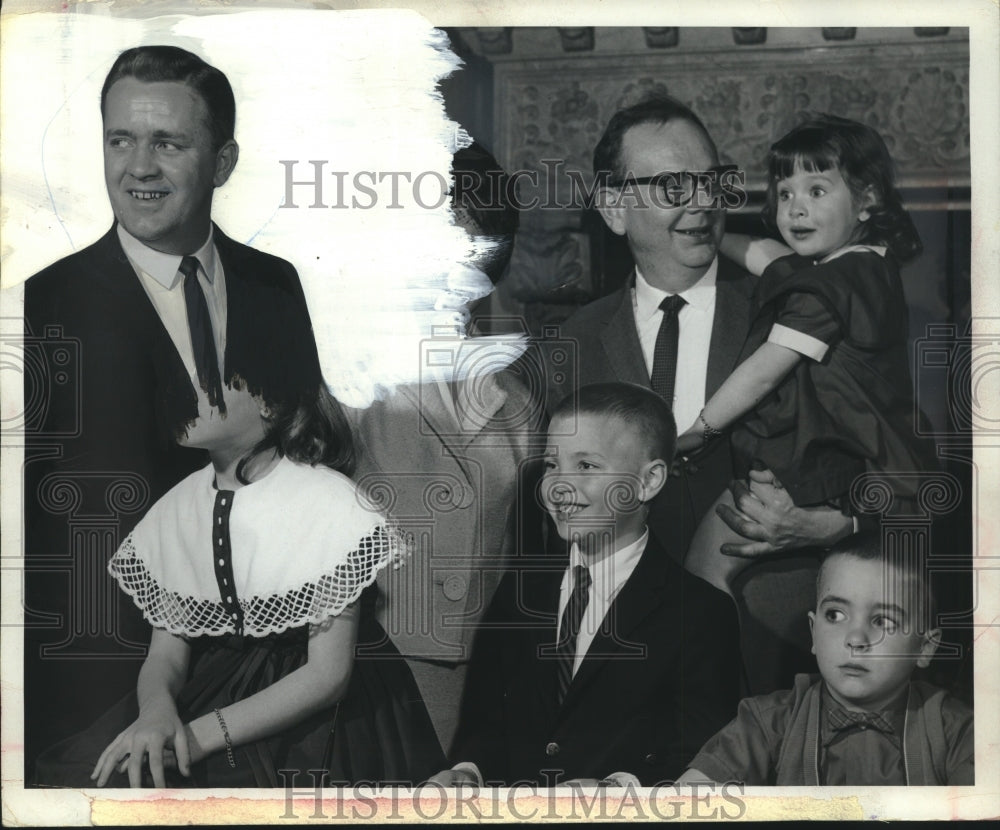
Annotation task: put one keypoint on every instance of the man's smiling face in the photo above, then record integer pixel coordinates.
(683, 239)
(159, 164)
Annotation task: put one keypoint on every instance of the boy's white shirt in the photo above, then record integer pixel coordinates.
(608, 576)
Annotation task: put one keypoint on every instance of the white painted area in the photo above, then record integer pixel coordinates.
(356, 92)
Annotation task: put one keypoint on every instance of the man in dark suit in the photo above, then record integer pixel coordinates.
(124, 330)
(608, 659)
(678, 326)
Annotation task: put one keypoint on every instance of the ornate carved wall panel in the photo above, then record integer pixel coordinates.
(916, 95)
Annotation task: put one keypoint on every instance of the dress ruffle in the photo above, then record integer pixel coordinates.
(311, 603)
(304, 546)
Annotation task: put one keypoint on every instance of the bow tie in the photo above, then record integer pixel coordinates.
(841, 719)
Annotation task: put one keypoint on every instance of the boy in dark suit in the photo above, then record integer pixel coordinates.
(610, 660)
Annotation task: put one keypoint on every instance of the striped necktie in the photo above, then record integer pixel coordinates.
(570, 628)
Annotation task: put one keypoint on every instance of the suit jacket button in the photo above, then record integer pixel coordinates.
(651, 758)
(454, 587)
(692, 468)
(552, 749)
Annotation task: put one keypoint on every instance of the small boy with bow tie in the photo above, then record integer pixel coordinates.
(864, 721)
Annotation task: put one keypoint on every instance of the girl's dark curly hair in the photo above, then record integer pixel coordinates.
(309, 428)
(824, 142)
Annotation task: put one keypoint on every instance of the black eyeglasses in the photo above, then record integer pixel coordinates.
(679, 188)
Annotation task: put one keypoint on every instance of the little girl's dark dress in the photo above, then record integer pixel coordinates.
(242, 575)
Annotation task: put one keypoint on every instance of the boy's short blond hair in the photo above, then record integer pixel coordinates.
(635, 405)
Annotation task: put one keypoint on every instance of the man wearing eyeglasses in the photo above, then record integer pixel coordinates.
(678, 324)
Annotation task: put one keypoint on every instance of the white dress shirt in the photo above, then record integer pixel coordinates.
(695, 326)
(164, 285)
(607, 577)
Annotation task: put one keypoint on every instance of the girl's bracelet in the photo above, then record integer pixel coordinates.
(708, 432)
(229, 741)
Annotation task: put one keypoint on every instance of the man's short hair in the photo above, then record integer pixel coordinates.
(636, 405)
(921, 602)
(658, 109)
(151, 64)
(481, 193)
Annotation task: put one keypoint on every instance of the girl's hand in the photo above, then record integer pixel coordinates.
(688, 442)
(157, 731)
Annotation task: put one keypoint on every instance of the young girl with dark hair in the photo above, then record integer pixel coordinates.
(252, 572)
(823, 391)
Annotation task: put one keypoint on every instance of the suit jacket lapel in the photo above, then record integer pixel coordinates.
(733, 299)
(121, 279)
(621, 342)
(641, 594)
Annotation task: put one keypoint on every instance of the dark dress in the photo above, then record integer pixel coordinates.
(852, 411)
(379, 732)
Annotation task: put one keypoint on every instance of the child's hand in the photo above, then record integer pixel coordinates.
(157, 731)
(689, 442)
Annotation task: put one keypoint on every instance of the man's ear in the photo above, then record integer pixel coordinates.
(812, 633)
(868, 201)
(225, 162)
(609, 205)
(932, 639)
(654, 476)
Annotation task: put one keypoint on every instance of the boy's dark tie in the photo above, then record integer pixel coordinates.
(665, 350)
(202, 339)
(569, 628)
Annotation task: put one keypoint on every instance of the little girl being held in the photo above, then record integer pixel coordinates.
(823, 392)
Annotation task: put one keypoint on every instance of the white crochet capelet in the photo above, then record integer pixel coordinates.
(295, 547)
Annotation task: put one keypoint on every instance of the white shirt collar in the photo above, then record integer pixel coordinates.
(701, 295)
(609, 574)
(874, 249)
(164, 267)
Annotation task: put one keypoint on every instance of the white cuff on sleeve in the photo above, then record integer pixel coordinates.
(804, 344)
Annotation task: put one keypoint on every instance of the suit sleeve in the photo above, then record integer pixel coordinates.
(708, 673)
(480, 737)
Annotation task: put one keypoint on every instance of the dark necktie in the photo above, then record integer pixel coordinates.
(665, 352)
(841, 719)
(202, 340)
(570, 627)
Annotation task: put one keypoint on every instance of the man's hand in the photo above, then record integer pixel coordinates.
(689, 441)
(766, 515)
(454, 778)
